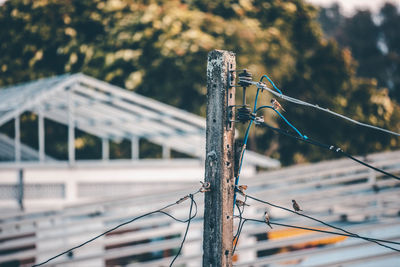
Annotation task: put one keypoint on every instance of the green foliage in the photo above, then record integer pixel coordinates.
(159, 49)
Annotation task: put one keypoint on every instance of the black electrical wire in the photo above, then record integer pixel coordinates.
(328, 147)
(322, 222)
(321, 231)
(306, 139)
(187, 228)
(262, 86)
(240, 222)
(137, 218)
(240, 225)
(239, 232)
(316, 230)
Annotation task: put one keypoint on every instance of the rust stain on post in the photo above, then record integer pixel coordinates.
(218, 212)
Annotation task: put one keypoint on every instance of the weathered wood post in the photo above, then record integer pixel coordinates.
(218, 209)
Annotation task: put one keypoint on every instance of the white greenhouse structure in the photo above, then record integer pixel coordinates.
(111, 114)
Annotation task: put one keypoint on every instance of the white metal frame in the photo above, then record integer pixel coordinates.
(109, 112)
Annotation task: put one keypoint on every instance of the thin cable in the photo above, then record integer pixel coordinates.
(235, 237)
(319, 230)
(328, 147)
(187, 229)
(239, 232)
(340, 151)
(246, 136)
(240, 221)
(240, 215)
(322, 222)
(323, 231)
(255, 110)
(303, 103)
(304, 138)
(255, 100)
(288, 123)
(125, 223)
(240, 225)
(276, 88)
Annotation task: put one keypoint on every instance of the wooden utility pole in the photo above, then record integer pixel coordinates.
(218, 208)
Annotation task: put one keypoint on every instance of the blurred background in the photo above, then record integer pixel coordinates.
(343, 59)
(102, 106)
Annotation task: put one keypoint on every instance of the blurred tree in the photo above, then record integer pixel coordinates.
(331, 20)
(43, 37)
(373, 40)
(159, 49)
(390, 29)
(362, 35)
